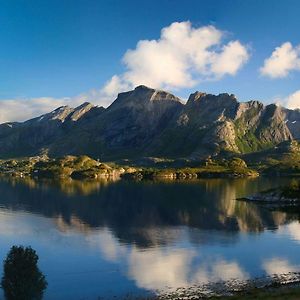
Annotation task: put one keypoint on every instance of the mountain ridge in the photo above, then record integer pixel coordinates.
(151, 122)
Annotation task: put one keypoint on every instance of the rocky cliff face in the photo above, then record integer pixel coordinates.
(149, 122)
(137, 116)
(292, 120)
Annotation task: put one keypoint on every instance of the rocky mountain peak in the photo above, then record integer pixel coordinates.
(195, 97)
(246, 107)
(209, 108)
(143, 88)
(80, 110)
(150, 94)
(60, 113)
(201, 98)
(143, 96)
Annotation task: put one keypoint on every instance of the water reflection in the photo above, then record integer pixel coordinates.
(278, 265)
(141, 208)
(146, 235)
(179, 268)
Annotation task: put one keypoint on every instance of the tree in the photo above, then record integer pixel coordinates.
(22, 279)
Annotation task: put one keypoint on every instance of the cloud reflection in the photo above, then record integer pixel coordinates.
(158, 268)
(292, 229)
(279, 265)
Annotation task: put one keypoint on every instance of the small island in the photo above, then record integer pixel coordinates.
(84, 167)
(282, 196)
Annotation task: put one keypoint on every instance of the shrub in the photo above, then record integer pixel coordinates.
(237, 162)
(22, 279)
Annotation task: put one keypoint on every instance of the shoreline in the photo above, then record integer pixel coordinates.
(275, 286)
(84, 167)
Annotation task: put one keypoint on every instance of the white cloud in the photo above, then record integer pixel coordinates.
(180, 58)
(22, 109)
(283, 60)
(25, 108)
(230, 60)
(292, 101)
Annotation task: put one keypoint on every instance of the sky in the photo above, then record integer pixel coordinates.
(57, 52)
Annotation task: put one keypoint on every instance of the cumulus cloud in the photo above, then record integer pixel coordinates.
(291, 101)
(282, 61)
(230, 60)
(181, 57)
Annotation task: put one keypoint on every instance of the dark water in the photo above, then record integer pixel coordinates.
(113, 238)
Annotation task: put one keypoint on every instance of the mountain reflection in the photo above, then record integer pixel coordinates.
(143, 212)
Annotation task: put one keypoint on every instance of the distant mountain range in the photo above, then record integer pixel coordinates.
(147, 122)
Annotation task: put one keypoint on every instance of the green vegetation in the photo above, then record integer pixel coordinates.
(249, 143)
(84, 167)
(234, 167)
(18, 168)
(282, 160)
(71, 166)
(246, 137)
(78, 167)
(22, 279)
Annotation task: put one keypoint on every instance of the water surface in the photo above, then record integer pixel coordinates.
(105, 239)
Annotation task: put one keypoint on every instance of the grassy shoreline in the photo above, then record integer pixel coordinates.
(84, 167)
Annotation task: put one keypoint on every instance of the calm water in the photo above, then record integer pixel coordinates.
(113, 238)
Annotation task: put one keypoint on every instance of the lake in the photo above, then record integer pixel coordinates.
(105, 239)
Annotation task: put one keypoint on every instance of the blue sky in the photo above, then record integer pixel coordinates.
(58, 49)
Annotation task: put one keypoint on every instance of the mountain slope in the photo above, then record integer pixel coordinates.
(149, 122)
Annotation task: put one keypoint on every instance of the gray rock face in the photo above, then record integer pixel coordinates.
(149, 122)
(274, 127)
(207, 108)
(292, 120)
(137, 116)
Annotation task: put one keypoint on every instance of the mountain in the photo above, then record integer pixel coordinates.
(149, 122)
